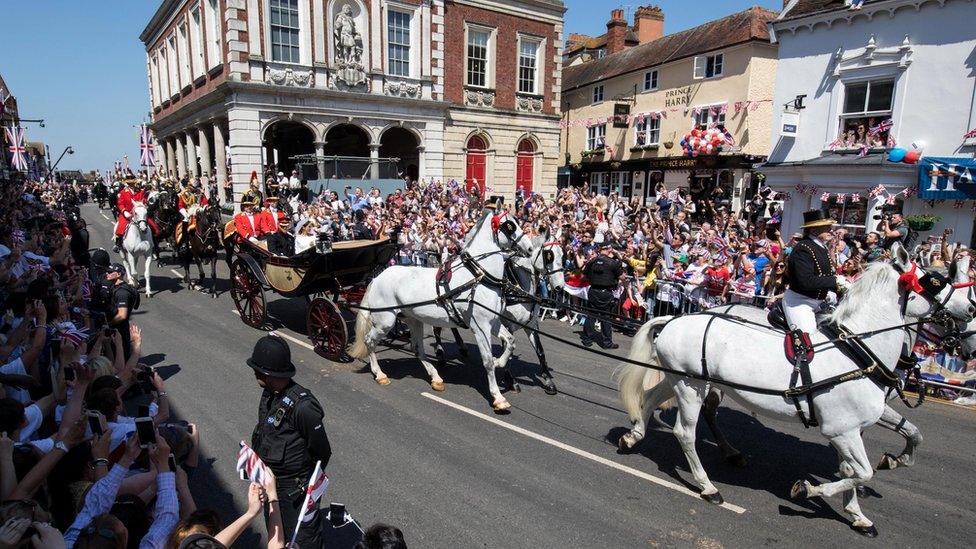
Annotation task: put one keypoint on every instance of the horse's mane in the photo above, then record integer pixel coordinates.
(872, 286)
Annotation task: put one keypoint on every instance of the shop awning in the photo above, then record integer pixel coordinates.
(947, 178)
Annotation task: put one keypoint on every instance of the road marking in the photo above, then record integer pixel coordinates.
(177, 273)
(582, 453)
(105, 216)
(281, 333)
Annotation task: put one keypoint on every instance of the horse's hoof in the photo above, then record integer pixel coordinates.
(715, 499)
(437, 386)
(383, 380)
(736, 460)
(861, 490)
(888, 462)
(501, 405)
(626, 442)
(800, 490)
(550, 388)
(866, 531)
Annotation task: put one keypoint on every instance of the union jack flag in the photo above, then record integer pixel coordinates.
(250, 466)
(147, 156)
(971, 134)
(316, 488)
(728, 136)
(882, 127)
(68, 332)
(17, 148)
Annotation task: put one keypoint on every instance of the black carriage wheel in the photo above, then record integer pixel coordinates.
(327, 329)
(248, 295)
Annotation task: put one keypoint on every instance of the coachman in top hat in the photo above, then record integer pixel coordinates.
(810, 273)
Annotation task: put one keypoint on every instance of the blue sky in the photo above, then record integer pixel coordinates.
(79, 65)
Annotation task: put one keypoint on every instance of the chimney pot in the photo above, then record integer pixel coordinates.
(649, 23)
(616, 32)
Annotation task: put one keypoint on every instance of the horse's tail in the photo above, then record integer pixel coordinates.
(634, 380)
(364, 324)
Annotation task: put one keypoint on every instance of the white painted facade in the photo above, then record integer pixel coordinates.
(927, 48)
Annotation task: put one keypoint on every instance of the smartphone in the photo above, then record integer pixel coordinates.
(337, 514)
(146, 431)
(172, 463)
(95, 423)
(145, 375)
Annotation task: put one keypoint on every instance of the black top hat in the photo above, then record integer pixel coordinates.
(272, 357)
(816, 218)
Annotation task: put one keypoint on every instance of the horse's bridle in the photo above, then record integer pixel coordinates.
(507, 228)
(548, 258)
(929, 286)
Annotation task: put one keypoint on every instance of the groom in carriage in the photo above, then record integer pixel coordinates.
(132, 192)
(191, 200)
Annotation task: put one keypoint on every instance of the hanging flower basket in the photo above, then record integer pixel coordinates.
(922, 222)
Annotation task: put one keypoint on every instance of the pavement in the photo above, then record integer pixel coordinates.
(450, 473)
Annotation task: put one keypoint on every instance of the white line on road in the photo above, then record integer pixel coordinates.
(105, 216)
(177, 273)
(578, 452)
(293, 339)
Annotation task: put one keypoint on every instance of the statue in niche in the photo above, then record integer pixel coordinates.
(348, 41)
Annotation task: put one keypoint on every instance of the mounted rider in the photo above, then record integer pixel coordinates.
(810, 273)
(131, 193)
(190, 201)
(253, 192)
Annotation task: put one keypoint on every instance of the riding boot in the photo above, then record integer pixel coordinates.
(118, 244)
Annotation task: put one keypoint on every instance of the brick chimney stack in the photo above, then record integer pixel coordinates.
(649, 23)
(616, 32)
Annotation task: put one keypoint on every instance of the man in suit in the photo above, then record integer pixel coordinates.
(281, 242)
(810, 273)
(247, 223)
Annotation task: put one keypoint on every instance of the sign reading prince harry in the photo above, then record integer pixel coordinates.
(947, 178)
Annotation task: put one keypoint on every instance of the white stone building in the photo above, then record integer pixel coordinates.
(463, 89)
(910, 61)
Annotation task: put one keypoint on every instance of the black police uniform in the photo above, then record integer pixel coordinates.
(603, 273)
(124, 295)
(289, 438)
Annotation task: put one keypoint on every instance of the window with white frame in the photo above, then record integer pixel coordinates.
(183, 46)
(650, 80)
(598, 94)
(528, 65)
(620, 183)
(196, 43)
(398, 42)
(598, 182)
(709, 115)
(212, 17)
(601, 53)
(172, 68)
(709, 66)
(596, 137)
(477, 70)
(647, 131)
(867, 105)
(154, 80)
(285, 31)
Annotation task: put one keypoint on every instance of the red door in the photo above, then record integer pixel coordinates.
(475, 173)
(524, 167)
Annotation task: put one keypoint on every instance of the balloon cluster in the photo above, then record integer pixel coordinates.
(903, 155)
(707, 141)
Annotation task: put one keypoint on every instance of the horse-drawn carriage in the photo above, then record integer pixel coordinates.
(329, 277)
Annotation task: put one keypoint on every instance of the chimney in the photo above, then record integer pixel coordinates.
(616, 32)
(649, 23)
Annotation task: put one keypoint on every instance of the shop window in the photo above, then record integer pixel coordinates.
(598, 182)
(866, 105)
(620, 183)
(851, 215)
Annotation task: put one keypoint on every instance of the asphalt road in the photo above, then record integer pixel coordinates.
(450, 473)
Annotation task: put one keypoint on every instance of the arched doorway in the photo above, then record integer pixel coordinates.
(347, 140)
(476, 160)
(525, 167)
(403, 144)
(285, 139)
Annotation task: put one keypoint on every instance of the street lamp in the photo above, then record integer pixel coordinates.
(67, 150)
(39, 121)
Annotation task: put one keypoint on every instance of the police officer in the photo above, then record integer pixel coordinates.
(125, 299)
(101, 295)
(603, 272)
(810, 273)
(289, 436)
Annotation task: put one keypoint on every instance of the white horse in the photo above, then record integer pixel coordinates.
(916, 308)
(874, 302)
(398, 288)
(521, 312)
(137, 242)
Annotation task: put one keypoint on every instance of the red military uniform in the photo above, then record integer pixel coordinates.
(127, 198)
(190, 201)
(270, 219)
(249, 226)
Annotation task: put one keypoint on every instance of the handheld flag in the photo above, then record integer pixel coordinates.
(317, 485)
(250, 466)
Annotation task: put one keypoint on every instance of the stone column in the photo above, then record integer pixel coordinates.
(374, 155)
(421, 162)
(170, 156)
(320, 161)
(206, 161)
(180, 139)
(191, 155)
(220, 154)
(244, 138)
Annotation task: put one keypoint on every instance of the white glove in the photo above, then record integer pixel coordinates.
(127, 215)
(186, 216)
(842, 284)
